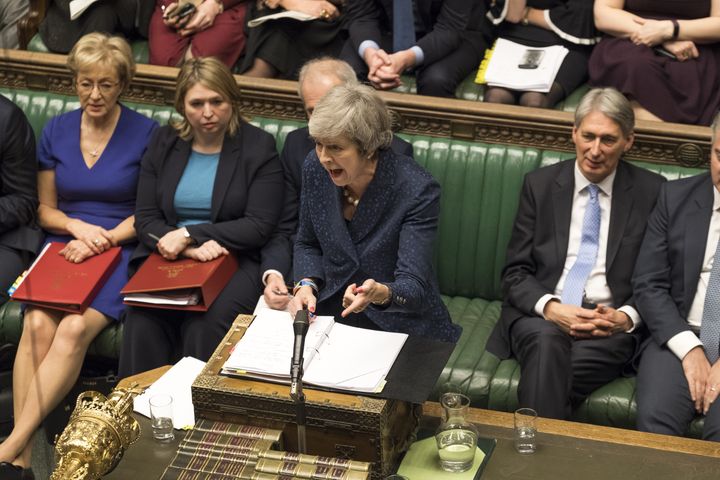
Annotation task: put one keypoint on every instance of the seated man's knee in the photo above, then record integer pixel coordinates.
(435, 82)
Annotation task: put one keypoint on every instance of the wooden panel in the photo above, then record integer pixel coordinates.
(656, 142)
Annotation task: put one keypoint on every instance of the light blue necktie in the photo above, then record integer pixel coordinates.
(574, 287)
(403, 25)
(710, 327)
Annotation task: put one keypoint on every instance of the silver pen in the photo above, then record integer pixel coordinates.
(154, 237)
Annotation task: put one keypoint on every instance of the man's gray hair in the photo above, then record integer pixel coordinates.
(354, 112)
(610, 103)
(326, 67)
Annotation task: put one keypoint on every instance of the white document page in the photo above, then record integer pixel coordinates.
(175, 382)
(293, 15)
(355, 359)
(267, 345)
(503, 70)
(77, 7)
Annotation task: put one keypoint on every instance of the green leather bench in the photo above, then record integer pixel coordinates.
(481, 185)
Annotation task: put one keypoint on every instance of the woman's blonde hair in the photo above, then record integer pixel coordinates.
(354, 112)
(215, 75)
(101, 49)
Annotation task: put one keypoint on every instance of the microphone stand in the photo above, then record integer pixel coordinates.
(300, 327)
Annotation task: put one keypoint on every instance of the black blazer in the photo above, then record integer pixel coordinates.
(669, 262)
(247, 195)
(446, 24)
(277, 254)
(538, 245)
(18, 181)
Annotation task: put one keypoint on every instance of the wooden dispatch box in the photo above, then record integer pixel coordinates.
(341, 425)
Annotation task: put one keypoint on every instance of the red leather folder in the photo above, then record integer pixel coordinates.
(158, 275)
(53, 282)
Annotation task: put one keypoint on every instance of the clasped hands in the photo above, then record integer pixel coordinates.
(89, 240)
(578, 322)
(355, 299)
(660, 32)
(384, 69)
(174, 244)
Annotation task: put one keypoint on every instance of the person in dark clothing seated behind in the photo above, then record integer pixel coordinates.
(317, 77)
(210, 185)
(443, 41)
(368, 220)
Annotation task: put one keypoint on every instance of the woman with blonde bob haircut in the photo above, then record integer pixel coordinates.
(210, 185)
(368, 220)
(89, 162)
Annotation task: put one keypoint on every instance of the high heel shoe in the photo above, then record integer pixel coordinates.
(8, 471)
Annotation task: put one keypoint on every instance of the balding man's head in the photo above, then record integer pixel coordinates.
(318, 76)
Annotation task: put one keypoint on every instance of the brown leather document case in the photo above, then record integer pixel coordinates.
(160, 276)
(53, 282)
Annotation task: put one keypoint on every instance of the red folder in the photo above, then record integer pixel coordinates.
(160, 276)
(53, 282)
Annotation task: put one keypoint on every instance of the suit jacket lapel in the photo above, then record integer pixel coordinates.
(562, 200)
(229, 158)
(376, 198)
(696, 232)
(174, 167)
(621, 206)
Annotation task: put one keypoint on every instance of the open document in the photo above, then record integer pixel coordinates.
(336, 356)
(519, 67)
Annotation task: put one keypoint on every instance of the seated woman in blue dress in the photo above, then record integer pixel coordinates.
(210, 185)
(368, 220)
(89, 167)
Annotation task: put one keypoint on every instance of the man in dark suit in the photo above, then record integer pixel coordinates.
(568, 310)
(316, 78)
(677, 290)
(442, 40)
(19, 237)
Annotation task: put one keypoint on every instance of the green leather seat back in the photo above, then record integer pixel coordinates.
(140, 49)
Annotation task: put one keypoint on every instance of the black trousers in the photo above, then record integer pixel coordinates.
(557, 371)
(439, 79)
(12, 264)
(663, 396)
(155, 337)
(113, 17)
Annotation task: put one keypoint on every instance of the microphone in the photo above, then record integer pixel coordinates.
(300, 328)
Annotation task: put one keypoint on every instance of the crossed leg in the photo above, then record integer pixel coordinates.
(48, 361)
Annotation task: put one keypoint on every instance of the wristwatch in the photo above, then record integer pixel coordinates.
(186, 234)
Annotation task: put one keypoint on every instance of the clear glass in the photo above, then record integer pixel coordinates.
(161, 417)
(456, 437)
(525, 430)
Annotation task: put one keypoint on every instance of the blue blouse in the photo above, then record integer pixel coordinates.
(193, 197)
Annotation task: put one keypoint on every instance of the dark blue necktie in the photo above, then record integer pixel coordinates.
(710, 327)
(403, 25)
(577, 277)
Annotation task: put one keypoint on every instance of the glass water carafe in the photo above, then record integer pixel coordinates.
(456, 437)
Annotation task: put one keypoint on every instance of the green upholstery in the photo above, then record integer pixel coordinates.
(480, 189)
(140, 50)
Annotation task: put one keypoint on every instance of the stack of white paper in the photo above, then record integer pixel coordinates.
(335, 356)
(503, 68)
